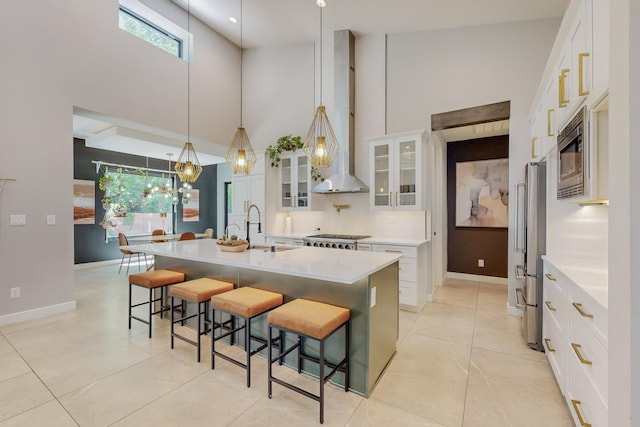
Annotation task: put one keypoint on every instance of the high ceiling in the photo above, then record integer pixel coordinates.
(281, 22)
(277, 22)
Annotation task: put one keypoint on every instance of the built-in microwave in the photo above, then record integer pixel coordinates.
(573, 156)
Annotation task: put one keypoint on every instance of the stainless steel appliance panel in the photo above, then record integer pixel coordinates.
(535, 247)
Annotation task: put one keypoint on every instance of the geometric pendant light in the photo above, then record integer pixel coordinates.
(188, 167)
(321, 145)
(240, 156)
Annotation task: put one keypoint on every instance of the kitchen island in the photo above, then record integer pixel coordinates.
(364, 282)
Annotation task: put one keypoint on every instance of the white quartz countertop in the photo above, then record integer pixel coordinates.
(589, 274)
(334, 265)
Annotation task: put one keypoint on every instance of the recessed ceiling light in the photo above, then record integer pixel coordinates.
(233, 19)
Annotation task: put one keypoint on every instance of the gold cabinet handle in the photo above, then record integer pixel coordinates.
(576, 350)
(562, 102)
(397, 195)
(549, 132)
(550, 277)
(575, 404)
(533, 147)
(549, 306)
(578, 307)
(393, 251)
(390, 198)
(547, 342)
(581, 90)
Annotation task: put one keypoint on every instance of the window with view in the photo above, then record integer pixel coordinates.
(146, 30)
(136, 204)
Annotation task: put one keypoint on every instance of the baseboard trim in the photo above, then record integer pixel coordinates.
(477, 278)
(37, 313)
(97, 264)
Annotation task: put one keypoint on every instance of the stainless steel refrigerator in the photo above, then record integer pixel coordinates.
(530, 239)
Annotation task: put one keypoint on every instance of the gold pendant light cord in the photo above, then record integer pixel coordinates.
(241, 60)
(320, 56)
(189, 71)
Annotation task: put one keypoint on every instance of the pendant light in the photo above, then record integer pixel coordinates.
(321, 145)
(188, 167)
(240, 156)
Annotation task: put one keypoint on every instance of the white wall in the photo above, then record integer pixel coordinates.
(438, 71)
(624, 93)
(72, 53)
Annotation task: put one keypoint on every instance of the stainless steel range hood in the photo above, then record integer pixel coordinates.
(343, 180)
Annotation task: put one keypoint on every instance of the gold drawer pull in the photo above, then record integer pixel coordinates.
(575, 404)
(550, 277)
(547, 341)
(393, 251)
(581, 90)
(533, 147)
(576, 349)
(549, 306)
(578, 307)
(549, 132)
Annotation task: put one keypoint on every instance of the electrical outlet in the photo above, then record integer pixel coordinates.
(480, 263)
(14, 292)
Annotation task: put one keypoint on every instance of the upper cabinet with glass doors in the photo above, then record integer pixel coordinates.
(295, 182)
(396, 178)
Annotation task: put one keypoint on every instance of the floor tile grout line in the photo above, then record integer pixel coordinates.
(466, 389)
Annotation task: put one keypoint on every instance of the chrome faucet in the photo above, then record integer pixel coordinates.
(248, 220)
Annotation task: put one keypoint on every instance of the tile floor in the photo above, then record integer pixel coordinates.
(460, 362)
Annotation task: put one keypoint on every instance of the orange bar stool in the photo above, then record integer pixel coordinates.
(152, 280)
(246, 303)
(315, 320)
(199, 291)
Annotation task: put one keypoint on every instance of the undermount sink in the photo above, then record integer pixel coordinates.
(268, 248)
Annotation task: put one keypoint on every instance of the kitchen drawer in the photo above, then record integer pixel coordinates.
(556, 305)
(594, 315)
(554, 278)
(364, 246)
(407, 269)
(279, 241)
(582, 397)
(407, 293)
(583, 344)
(406, 251)
(555, 348)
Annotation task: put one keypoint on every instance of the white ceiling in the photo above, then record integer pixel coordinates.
(278, 22)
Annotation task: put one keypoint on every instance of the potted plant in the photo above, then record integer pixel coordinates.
(291, 144)
(106, 202)
(105, 182)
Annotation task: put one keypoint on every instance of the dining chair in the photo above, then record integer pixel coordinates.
(188, 235)
(122, 241)
(208, 233)
(159, 232)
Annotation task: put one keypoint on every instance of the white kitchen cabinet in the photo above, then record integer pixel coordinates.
(284, 241)
(414, 286)
(249, 190)
(577, 71)
(294, 182)
(396, 172)
(575, 335)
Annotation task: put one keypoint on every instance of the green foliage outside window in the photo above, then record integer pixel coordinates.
(140, 28)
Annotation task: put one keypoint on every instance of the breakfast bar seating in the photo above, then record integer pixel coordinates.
(199, 291)
(314, 320)
(152, 280)
(246, 303)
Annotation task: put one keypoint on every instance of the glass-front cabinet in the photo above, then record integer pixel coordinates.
(295, 182)
(396, 172)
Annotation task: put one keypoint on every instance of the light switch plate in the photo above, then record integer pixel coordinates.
(18, 219)
(51, 220)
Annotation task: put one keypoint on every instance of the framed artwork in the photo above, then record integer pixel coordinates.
(84, 201)
(482, 193)
(191, 209)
